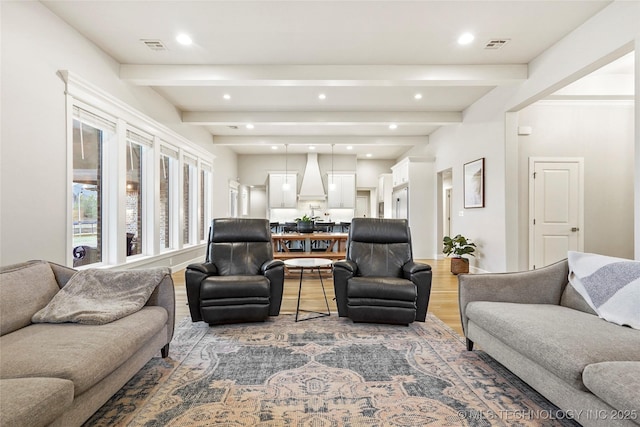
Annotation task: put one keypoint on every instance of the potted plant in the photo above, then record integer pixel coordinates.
(458, 246)
(306, 224)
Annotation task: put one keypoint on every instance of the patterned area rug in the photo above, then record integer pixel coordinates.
(324, 372)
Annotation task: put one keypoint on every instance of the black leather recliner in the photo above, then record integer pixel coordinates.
(379, 282)
(239, 281)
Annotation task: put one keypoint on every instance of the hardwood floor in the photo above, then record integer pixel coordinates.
(443, 302)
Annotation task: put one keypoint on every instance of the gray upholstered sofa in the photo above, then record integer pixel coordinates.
(535, 324)
(60, 374)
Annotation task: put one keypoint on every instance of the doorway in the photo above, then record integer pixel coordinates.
(363, 204)
(556, 209)
(445, 207)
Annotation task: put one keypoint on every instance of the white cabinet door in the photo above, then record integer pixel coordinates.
(400, 173)
(279, 197)
(349, 191)
(342, 194)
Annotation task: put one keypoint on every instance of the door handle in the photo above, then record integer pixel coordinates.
(574, 229)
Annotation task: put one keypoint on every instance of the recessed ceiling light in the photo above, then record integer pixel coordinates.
(249, 126)
(369, 154)
(418, 96)
(393, 126)
(312, 147)
(465, 38)
(322, 96)
(226, 96)
(274, 147)
(349, 147)
(184, 39)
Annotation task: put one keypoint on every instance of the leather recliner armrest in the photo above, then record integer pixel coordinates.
(206, 268)
(272, 263)
(194, 275)
(342, 271)
(420, 274)
(414, 267)
(273, 270)
(346, 264)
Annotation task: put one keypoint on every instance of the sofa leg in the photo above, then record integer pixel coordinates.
(164, 351)
(469, 345)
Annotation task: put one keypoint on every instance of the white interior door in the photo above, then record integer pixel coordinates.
(447, 212)
(555, 209)
(362, 205)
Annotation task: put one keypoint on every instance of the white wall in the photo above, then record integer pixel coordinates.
(254, 169)
(453, 146)
(487, 131)
(36, 44)
(370, 170)
(258, 202)
(601, 133)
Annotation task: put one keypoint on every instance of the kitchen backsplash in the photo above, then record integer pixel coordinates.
(315, 208)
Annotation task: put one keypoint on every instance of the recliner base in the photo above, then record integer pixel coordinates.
(217, 315)
(380, 314)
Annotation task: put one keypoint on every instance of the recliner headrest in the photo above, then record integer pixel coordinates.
(374, 230)
(240, 230)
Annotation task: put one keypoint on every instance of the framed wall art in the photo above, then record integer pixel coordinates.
(474, 184)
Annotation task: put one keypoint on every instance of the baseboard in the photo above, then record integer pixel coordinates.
(476, 270)
(184, 265)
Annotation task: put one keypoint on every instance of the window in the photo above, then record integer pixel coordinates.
(205, 201)
(189, 199)
(91, 135)
(134, 183)
(167, 182)
(135, 212)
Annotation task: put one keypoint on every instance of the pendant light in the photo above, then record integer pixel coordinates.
(285, 184)
(332, 185)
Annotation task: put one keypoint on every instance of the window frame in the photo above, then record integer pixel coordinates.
(106, 186)
(82, 94)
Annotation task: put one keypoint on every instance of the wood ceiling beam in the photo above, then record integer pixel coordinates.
(320, 140)
(325, 118)
(324, 75)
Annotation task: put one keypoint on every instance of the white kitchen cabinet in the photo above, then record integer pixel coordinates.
(400, 172)
(385, 187)
(343, 193)
(280, 197)
(385, 190)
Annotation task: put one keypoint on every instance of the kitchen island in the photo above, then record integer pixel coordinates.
(333, 245)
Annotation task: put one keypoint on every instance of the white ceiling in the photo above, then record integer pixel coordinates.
(368, 57)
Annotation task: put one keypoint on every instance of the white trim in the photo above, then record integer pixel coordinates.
(69, 159)
(82, 90)
(532, 162)
(161, 141)
(587, 101)
(476, 270)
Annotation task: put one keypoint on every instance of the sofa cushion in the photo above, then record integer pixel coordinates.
(24, 289)
(383, 288)
(84, 354)
(617, 383)
(34, 401)
(572, 299)
(557, 338)
(214, 287)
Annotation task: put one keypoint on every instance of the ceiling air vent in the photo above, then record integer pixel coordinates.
(154, 44)
(496, 43)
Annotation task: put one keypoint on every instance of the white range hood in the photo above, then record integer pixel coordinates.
(312, 187)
